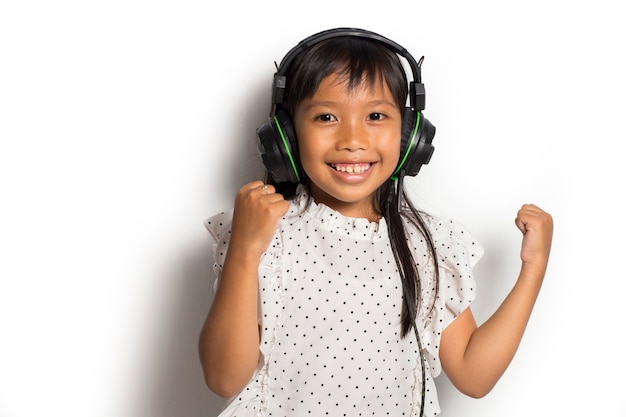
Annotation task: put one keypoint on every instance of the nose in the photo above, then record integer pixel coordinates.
(352, 135)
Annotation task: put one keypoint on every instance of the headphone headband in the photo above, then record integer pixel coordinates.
(417, 93)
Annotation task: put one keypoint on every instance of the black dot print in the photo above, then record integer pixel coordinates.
(330, 310)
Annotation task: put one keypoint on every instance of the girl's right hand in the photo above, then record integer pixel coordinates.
(258, 209)
(229, 342)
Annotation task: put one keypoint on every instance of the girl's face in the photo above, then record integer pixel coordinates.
(349, 142)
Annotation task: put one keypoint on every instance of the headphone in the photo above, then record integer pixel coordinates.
(278, 143)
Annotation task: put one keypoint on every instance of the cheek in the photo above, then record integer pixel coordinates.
(308, 154)
(393, 157)
(395, 148)
(393, 145)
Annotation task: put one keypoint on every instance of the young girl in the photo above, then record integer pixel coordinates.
(335, 296)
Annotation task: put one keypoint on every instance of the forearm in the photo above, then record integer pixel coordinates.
(474, 358)
(229, 342)
(493, 345)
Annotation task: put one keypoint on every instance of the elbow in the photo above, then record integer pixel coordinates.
(474, 384)
(227, 371)
(224, 382)
(476, 389)
(477, 393)
(222, 387)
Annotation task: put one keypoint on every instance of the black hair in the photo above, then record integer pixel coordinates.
(365, 61)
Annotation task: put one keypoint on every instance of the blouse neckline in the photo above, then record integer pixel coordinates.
(335, 222)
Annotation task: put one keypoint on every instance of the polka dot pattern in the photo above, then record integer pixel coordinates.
(330, 304)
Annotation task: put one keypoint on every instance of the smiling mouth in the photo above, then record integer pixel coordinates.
(352, 168)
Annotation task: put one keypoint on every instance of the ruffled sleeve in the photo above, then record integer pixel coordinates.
(219, 226)
(457, 254)
(271, 293)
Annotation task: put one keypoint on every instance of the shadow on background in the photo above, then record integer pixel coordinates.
(178, 388)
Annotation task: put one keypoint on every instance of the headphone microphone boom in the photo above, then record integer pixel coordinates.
(277, 139)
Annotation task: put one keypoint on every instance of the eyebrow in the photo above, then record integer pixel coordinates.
(307, 104)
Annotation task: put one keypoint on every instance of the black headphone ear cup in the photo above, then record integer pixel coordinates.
(416, 142)
(279, 148)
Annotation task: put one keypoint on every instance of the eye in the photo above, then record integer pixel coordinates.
(376, 116)
(325, 118)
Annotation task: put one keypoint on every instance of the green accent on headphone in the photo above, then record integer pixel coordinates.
(408, 148)
(282, 136)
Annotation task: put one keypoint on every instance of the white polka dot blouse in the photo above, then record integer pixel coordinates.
(329, 312)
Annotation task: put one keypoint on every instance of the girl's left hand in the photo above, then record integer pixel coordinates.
(536, 226)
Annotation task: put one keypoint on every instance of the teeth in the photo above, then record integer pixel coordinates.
(352, 168)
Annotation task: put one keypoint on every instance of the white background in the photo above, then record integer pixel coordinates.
(123, 124)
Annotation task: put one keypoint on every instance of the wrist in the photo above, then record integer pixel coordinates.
(533, 271)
